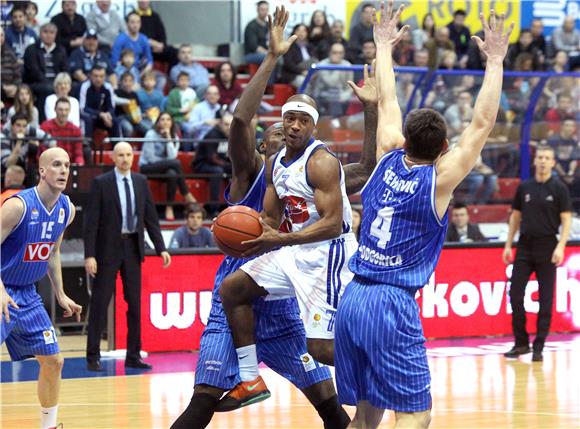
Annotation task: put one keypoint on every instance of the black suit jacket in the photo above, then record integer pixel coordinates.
(473, 233)
(103, 219)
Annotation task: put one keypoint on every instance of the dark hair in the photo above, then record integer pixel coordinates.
(97, 67)
(521, 59)
(16, 9)
(297, 26)
(459, 12)
(218, 72)
(545, 147)
(127, 74)
(127, 51)
(432, 31)
(131, 13)
(182, 73)
(62, 100)
(425, 133)
(18, 116)
(261, 2)
(366, 5)
(193, 208)
(34, 5)
(525, 30)
(459, 205)
(325, 27)
(173, 129)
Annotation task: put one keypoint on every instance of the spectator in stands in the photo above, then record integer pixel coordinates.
(460, 36)
(225, 79)
(369, 51)
(13, 182)
(330, 87)
(403, 52)
(127, 108)
(127, 64)
(152, 27)
(136, 41)
(18, 35)
(203, 116)
(42, 62)
(567, 37)
(107, 23)
(566, 145)
(563, 111)
(96, 104)
(193, 234)
(421, 58)
(459, 112)
(20, 145)
(211, 157)
(181, 100)
(459, 229)
(319, 33)
(476, 59)
(437, 46)
(198, 74)
(9, 70)
(83, 59)
(31, 13)
(71, 26)
(560, 64)
(425, 33)
(524, 45)
(298, 59)
(360, 33)
(159, 156)
(151, 99)
(336, 36)
(62, 88)
(256, 35)
(24, 104)
(60, 126)
(449, 62)
(539, 41)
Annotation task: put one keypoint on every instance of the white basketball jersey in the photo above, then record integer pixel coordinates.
(292, 187)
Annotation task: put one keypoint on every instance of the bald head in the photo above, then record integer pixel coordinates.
(51, 154)
(122, 147)
(123, 157)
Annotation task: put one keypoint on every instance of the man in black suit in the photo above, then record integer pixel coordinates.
(460, 230)
(120, 208)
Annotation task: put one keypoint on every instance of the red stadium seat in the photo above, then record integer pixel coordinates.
(493, 213)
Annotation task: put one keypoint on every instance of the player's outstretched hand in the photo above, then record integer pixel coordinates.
(70, 308)
(385, 31)
(277, 45)
(269, 239)
(6, 301)
(496, 40)
(367, 93)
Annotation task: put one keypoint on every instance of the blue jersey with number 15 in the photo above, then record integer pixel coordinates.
(401, 235)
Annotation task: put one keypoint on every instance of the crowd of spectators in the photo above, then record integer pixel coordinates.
(79, 73)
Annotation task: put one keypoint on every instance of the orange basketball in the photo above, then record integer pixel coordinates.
(235, 225)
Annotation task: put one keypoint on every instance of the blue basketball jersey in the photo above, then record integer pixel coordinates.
(401, 235)
(254, 199)
(26, 251)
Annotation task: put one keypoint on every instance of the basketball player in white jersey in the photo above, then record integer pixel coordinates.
(307, 234)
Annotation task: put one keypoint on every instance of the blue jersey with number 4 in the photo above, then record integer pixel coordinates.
(26, 251)
(401, 235)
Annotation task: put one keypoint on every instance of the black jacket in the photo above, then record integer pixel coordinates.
(473, 233)
(34, 66)
(103, 219)
(292, 64)
(68, 30)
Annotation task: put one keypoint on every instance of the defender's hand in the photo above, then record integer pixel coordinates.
(385, 32)
(368, 92)
(496, 41)
(278, 46)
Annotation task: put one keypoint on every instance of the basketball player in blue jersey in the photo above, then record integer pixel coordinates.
(33, 222)
(381, 360)
(280, 335)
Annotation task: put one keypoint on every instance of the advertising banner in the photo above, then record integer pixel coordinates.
(467, 296)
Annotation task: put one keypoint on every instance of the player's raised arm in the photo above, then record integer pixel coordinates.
(386, 35)
(242, 144)
(458, 162)
(357, 173)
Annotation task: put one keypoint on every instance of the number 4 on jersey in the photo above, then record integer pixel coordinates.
(381, 226)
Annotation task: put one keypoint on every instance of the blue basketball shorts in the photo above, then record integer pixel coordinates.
(30, 331)
(380, 352)
(280, 344)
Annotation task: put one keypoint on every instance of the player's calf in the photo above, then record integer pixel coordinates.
(419, 420)
(201, 408)
(321, 350)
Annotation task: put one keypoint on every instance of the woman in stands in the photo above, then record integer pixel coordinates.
(24, 103)
(225, 80)
(298, 59)
(62, 86)
(319, 33)
(159, 156)
(423, 34)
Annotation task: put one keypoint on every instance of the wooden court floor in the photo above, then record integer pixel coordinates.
(472, 387)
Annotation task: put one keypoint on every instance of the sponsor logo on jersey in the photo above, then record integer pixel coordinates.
(307, 362)
(38, 252)
(33, 214)
(295, 211)
(61, 215)
(49, 336)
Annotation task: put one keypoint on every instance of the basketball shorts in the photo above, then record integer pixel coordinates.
(30, 331)
(315, 273)
(280, 344)
(380, 353)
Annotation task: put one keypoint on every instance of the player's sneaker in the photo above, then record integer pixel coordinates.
(245, 393)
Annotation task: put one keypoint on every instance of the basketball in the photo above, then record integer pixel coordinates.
(235, 225)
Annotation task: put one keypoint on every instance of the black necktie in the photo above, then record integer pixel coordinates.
(128, 206)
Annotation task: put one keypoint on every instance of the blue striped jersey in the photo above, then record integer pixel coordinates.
(26, 250)
(401, 235)
(254, 199)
